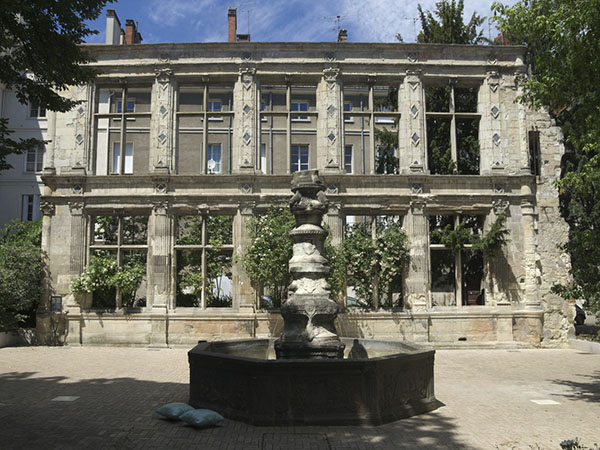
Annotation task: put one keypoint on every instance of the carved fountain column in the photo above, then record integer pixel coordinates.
(309, 313)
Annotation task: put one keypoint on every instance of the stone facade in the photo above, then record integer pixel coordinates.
(178, 134)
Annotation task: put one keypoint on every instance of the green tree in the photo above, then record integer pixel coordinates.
(40, 56)
(266, 259)
(375, 264)
(449, 27)
(21, 272)
(563, 41)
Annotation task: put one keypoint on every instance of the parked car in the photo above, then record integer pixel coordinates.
(579, 315)
(353, 302)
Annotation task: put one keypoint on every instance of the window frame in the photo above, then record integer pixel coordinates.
(218, 164)
(454, 116)
(298, 162)
(36, 111)
(38, 159)
(118, 248)
(297, 104)
(204, 247)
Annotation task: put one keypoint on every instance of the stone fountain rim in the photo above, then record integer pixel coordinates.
(409, 354)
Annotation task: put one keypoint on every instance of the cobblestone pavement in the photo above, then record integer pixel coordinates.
(488, 395)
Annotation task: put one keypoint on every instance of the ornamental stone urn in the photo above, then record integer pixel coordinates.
(309, 313)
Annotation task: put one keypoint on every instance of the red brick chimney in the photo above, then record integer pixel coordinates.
(232, 24)
(132, 36)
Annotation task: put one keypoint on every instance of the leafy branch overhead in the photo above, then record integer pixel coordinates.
(562, 40)
(41, 56)
(456, 238)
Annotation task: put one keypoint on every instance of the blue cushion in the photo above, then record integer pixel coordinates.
(173, 411)
(202, 418)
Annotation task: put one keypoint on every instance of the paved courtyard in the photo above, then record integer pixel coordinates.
(98, 397)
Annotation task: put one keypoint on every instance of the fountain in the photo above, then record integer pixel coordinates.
(310, 375)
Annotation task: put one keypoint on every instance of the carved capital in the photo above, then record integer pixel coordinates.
(331, 74)
(47, 208)
(76, 208)
(163, 75)
(500, 206)
(160, 208)
(247, 208)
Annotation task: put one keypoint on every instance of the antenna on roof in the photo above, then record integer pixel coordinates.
(247, 10)
(338, 21)
(414, 21)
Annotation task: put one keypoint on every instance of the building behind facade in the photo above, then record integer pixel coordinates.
(204, 136)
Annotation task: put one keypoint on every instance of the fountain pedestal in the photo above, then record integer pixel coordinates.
(309, 313)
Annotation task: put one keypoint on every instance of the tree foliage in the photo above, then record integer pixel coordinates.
(375, 263)
(21, 272)
(266, 259)
(446, 25)
(563, 41)
(40, 56)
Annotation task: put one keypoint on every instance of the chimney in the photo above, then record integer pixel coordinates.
(113, 28)
(132, 36)
(343, 35)
(232, 24)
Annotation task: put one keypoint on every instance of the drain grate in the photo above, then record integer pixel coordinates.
(285, 441)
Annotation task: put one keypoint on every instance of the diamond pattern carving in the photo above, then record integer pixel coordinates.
(495, 112)
(415, 139)
(496, 138)
(331, 110)
(414, 110)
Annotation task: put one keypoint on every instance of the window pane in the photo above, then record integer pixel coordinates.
(189, 278)
(129, 157)
(437, 98)
(467, 142)
(472, 278)
(189, 230)
(106, 230)
(442, 278)
(219, 230)
(439, 149)
(135, 230)
(30, 161)
(134, 261)
(39, 163)
(465, 99)
(213, 158)
(218, 273)
(348, 158)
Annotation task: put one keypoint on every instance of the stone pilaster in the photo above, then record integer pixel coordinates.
(246, 136)
(329, 123)
(531, 257)
(77, 248)
(335, 222)
(159, 256)
(417, 277)
(497, 273)
(491, 140)
(412, 142)
(161, 124)
(243, 294)
(159, 272)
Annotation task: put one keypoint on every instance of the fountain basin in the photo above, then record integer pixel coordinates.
(243, 381)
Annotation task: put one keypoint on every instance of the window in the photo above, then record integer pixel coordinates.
(127, 167)
(534, 153)
(120, 243)
(130, 106)
(213, 158)
(34, 159)
(37, 112)
(204, 249)
(452, 130)
(348, 108)
(30, 209)
(348, 158)
(300, 107)
(215, 106)
(456, 275)
(204, 120)
(263, 158)
(116, 128)
(299, 158)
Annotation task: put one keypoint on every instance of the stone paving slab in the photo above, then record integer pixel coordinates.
(488, 397)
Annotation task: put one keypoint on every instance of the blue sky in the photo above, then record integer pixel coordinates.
(278, 20)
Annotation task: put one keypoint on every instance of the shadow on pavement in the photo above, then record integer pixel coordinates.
(582, 390)
(119, 413)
